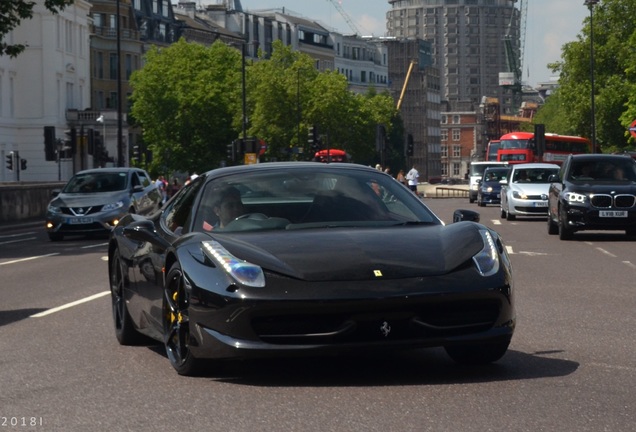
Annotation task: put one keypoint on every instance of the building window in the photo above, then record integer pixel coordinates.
(444, 119)
(456, 169)
(128, 66)
(444, 134)
(444, 151)
(113, 67)
(456, 119)
(456, 134)
(457, 151)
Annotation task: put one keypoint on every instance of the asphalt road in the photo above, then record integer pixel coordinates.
(570, 366)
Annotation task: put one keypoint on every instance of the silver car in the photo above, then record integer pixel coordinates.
(93, 201)
(526, 191)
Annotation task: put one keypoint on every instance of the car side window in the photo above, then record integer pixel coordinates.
(177, 216)
(144, 179)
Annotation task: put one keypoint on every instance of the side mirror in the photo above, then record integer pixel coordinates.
(554, 178)
(465, 215)
(55, 192)
(138, 188)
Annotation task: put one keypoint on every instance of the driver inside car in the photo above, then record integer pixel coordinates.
(227, 206)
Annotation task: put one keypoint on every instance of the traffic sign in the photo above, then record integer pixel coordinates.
(632, 128)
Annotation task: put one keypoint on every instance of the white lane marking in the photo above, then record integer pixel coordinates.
(69, 305)
(509, 249)
(95, 245)
(16, 235)
(18, 240)
(29, 258)
(605, 252)
(495, 221)
(630, 264)
(532, 253)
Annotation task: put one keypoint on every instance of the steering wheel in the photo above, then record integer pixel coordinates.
(255, 216)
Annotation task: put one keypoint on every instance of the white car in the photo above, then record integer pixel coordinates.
(526, 191)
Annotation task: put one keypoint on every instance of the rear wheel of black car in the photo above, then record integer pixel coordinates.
(477, 354)
(553, 228)
(565, 233)
(124, 328)
(176, 324)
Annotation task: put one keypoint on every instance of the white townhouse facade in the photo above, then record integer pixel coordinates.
(38, 86)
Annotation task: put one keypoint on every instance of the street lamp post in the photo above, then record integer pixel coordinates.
(590, 4)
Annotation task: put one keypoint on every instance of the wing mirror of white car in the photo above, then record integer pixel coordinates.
(553, 178)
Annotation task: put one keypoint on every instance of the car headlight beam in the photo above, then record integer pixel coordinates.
(243, 272)
(487, 259)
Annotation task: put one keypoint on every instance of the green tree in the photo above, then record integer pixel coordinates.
(614, 85)
(13, 12)
(184, 98)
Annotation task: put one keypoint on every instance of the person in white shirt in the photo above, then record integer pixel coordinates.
(412, 177)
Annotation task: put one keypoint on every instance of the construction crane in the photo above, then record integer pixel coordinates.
(346, 17)
(512, 77)
(406, 83)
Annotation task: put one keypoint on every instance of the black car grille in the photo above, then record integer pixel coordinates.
(422, 323)
(81, 211)
(617, 201)
(537, 210)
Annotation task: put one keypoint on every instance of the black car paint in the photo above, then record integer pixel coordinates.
(334, 279)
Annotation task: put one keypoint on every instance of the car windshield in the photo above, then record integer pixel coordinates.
(533, 175)
(495, 175)
(307, 198)
(603, 170)
(96, 182)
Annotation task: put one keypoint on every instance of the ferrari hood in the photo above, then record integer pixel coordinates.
(359, 253)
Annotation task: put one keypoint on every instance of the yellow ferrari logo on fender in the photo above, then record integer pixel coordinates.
(377, 273)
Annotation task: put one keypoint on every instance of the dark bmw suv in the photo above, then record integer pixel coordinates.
(593, 192)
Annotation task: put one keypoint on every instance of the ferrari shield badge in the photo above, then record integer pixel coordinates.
(377, 273)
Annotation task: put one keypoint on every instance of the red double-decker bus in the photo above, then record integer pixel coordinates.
(521, 147)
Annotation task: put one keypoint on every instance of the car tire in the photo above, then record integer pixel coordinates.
(510, 217)
(124, 328)
(471, 200)
(502, 215)
(565, 233)
(477, 354)
(176, 324)
(56, 237)
(553, 228)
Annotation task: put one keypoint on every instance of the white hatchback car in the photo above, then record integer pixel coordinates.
(526, 191)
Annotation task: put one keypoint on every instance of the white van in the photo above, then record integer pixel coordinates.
(476, 173)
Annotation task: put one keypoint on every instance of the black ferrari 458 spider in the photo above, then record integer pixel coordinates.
(312, 259)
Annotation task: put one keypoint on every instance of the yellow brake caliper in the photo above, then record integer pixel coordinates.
(174, 317)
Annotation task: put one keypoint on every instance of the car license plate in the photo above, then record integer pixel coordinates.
(79, 220)
(612, 213)
(541, 204)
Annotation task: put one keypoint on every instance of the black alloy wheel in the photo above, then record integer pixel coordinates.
(176, 327)
(565, 233)
(553, 228)
(124, 328)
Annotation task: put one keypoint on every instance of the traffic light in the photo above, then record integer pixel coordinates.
(91, 141)
(409, 145)
(71, 139)
(23, 163)
(313, 139)
(136, 153)
(231, 151)
(49, 143)
(10, 161)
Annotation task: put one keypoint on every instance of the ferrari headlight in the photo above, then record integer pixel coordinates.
(113, 206)
(519, 195)
(573, 197)
(487, 259)
(243, 272)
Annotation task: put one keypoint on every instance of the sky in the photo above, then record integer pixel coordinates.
(549, 24)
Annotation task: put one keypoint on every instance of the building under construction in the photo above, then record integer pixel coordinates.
(415, 85)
